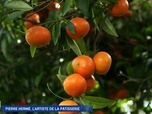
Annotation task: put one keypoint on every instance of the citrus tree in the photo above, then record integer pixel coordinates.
(73, 52)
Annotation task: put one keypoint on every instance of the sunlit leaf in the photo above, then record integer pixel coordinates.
(32, 50)
(69, 68)
(108, 27)
(66, 7)
(60, 76)
(95, 102)
(82, 46)
(19, 5)
(73, 45)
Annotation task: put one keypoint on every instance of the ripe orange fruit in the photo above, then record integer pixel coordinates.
(120, 8)
(99, 112)
(68, 103)
(53, 6)
(90, 83)
(31, 20)
(75, 85)
(21, 102)
(102, 61)
(81, 26)
(122, 93)
(128, 13)
(83, 65)
(38, 36)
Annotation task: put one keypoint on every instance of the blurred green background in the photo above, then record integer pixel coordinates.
(24, 79)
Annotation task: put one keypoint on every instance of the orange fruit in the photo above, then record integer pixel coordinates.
(38, 36)
(102, 61)
(81, 27)
(99, 112)
(53, 6)
(83, 65)
(122, 93)
(120, 8)
(31, 20)
(68, 103)
(75, 85)
(90, 83)
(128, 13)
(21, 102)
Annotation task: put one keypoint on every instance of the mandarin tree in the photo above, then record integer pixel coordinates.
(70, 29)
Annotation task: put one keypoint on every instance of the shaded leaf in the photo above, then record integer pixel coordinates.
(83, 5)
(66, 7)
(38, 79)
(71, 27)
(32, 50)
(14, 15)
(108, 27)
(4, 48)
(56, 32)
(19, 5)
(95, 102)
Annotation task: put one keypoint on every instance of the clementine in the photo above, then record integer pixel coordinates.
(90, 83)
(75, 85)
(21, 102)
(68, 103)
(99, 112)
(53, 6)
(31, 20)
(120, 8)
(38, 36)
(81, 27)
(83, 65)
(102, 61)
(122, 93)
(129, 13)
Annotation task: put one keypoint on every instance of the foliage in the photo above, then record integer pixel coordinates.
(29, 73)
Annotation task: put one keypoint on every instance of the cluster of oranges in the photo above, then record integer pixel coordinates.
(37, 35)
(81, 25)
(82, 80)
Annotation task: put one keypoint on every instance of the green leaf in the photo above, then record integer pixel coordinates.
(14, 15)
(83, 5)
(82, 46)
(108, 27)
(38, 79)
(66, 7)
(73, 45)
(56, 32)
(4, 48)
(32, 50)
(69, 68)
(19, 5)
(71, 27)
(60, 76)
(95, 102)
